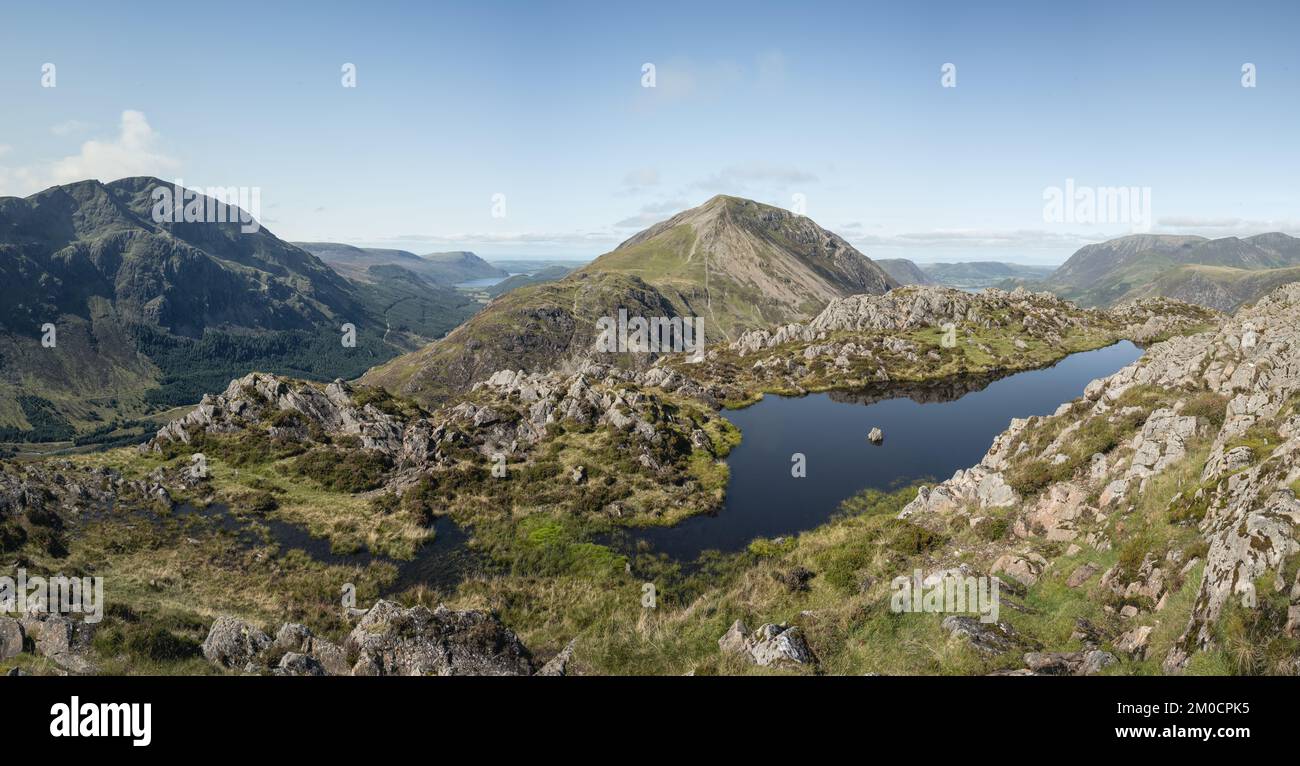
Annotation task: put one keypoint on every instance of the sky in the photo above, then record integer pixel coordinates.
(527, 129)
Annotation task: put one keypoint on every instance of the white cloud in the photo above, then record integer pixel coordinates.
(133, 152)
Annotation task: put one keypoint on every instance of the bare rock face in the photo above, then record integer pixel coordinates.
(390, 640)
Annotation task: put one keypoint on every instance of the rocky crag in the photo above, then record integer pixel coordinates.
(1205, 427)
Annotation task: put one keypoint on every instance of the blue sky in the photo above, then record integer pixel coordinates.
(543, 102)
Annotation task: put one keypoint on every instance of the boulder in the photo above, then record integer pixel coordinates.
(295, 664)
(736, 639)
(11, 638)
(233, 643)
(780, 646)
(1081, 575)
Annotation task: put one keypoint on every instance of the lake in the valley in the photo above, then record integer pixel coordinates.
(929, 434)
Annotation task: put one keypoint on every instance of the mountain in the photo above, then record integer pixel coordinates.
(904, 271)
(438, 268)
(734, 263)
(1220, 273)
(149, 314)
(973, 275)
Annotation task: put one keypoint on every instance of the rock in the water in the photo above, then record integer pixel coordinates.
(876, 436)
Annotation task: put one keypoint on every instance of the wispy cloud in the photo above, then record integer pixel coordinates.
(740, 179)
(652, 213)
(974, 238)
(69, 127)
(1224, 226)
(641, 178)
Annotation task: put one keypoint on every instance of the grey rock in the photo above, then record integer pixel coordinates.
(11, 638)
(234, 643)
(391, 640)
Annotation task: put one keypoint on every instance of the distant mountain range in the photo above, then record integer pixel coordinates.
(107, 315)
(438, 268)
(735, 263)
(967, 275)
(1219, 273)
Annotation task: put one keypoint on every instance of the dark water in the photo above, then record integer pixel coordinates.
(929, 434)
(442, 563)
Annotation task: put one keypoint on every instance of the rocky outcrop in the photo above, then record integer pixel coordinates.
(990, 639)
(390, 640)
(505, 415)
(771, 645)
(1041, 315)
(387, 639)
(1153, 412)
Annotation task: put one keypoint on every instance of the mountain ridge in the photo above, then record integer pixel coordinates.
(736, 263)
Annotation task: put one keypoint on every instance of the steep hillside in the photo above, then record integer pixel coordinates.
(735, 264)
(147, 315)
(1205, 271)
(904, 272)
(437, 268)
(970, 275)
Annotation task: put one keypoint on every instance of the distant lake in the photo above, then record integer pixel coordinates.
(479, 284)
(929, 434)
